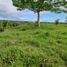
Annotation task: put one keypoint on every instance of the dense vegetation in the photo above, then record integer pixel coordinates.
(21, 45)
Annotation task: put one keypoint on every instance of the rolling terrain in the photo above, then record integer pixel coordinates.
(22, 45)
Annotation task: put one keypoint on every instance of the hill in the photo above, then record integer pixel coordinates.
(22, 45)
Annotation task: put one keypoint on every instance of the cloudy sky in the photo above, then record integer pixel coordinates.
(8, 11)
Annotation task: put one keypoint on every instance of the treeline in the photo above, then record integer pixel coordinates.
(22, 25)
(7, 24)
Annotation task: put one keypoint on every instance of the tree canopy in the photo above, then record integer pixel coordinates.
(47, 5)
(41, 5)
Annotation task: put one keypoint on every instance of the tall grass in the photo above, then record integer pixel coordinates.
(21, 45)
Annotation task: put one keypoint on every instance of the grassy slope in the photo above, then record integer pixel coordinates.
(24, 46)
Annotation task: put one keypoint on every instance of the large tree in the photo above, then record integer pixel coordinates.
(40, 5)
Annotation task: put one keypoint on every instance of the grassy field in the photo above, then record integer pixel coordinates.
(21, 45)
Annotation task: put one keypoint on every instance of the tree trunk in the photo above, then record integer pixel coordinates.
(38, 20)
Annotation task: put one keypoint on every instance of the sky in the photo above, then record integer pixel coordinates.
(10, 12)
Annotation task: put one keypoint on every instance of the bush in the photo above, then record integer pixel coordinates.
(57, 21)
(1, 29)
(13, 24)
(4, 24)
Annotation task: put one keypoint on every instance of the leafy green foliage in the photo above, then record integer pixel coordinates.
(40, 5)
(1, 29)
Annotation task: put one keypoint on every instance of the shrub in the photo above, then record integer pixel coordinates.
(1, 29)
(57, 21)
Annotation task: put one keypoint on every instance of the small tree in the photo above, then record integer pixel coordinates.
(66, 19)
(57, 21)
(40, 5)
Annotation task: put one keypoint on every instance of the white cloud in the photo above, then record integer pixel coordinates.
(42, 12)
(6, 7)
(63, 8)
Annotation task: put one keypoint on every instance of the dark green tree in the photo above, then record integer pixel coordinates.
(57, 21)
(66, 19)
(40, 5)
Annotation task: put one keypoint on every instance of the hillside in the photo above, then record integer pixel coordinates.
(22, 45)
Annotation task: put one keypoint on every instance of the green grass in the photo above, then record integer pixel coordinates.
(25, 46)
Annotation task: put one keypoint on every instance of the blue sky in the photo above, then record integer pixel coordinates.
(9, 12)
(27, 15)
